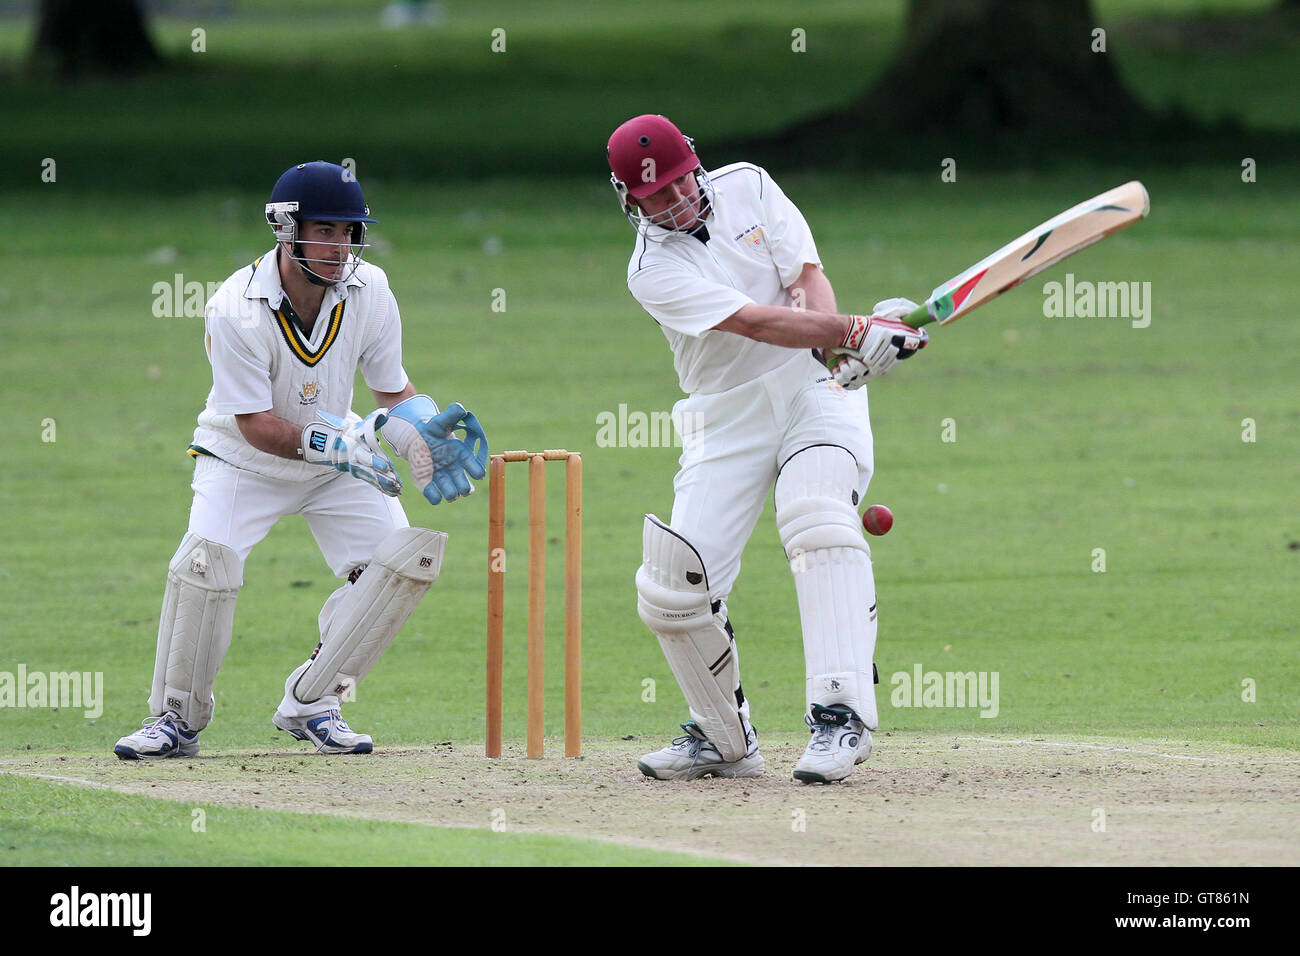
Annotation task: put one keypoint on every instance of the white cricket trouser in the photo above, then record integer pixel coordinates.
(734, 443)
(237, 508)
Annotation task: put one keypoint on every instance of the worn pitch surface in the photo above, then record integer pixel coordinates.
(922, 799)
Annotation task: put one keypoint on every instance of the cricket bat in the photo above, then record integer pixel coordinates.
(1045, 245)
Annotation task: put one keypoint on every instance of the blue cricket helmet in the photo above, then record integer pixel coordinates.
(317, 191)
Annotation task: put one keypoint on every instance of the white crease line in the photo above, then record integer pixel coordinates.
(50, 776)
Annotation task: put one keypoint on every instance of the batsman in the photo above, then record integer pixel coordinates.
(727, 266)
(285, 337)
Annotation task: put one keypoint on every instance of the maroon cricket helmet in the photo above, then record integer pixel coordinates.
(648, 152)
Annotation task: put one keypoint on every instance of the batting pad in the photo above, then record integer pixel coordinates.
(673, 601)
(816, 499)
(373, 610)
(816, 494)
(194, 630)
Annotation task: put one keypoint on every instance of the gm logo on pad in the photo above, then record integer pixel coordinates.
(318, 441)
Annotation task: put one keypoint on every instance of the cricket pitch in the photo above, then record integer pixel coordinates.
(922, 799)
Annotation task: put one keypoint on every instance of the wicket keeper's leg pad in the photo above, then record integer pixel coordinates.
(195, 628)
(377, 605)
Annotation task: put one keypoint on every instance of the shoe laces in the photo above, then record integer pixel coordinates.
(152, 724)
(823, 736)
(689, 742)
(695, 746)
(334, 718)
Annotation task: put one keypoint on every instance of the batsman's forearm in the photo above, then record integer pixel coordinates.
(792, 328)
(270, 433)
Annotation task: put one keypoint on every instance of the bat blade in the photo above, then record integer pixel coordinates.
(1041, 247)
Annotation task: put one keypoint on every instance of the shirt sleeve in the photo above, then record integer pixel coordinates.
(788, 236)
(689, 304)
(241, 378)
(381, 361)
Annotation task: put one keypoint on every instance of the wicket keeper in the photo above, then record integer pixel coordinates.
(285, 337)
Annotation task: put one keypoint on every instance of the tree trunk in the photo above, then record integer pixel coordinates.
(970, 71)
(76, 38)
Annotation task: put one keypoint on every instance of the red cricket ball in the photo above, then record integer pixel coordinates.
(877, 520)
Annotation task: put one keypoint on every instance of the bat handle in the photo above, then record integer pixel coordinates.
(918, 317)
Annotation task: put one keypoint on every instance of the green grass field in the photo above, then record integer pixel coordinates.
(415, 104)
(1072, 434)
(48, 824)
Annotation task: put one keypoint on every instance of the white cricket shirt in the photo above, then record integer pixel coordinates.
(262, 360)
(758, 243)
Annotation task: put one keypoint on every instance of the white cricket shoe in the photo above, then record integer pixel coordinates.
(864, 747)
(839, 741)
(692, 755)
(328, 731)
(164, 736)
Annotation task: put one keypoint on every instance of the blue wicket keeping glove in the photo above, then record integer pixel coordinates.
(441, 463)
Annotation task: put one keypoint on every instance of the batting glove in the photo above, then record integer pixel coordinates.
(874, 345)
(351, 446)
(441, 464)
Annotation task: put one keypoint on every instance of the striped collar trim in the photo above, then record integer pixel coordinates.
(298, 345)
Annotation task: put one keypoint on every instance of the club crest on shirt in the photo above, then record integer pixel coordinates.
(754, 237)
(308, 392)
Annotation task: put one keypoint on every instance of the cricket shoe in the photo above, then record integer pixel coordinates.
(164, 736)
(692, 755)
(839, 741)
(328, 731)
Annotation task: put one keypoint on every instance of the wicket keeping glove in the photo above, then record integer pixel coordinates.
(875, 344)
(441, 464)
(351, 446)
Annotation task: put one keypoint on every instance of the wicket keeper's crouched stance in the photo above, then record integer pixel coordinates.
(727, 266)
(285, 337)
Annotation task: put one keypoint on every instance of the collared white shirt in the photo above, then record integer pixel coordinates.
(758, 245)
(263, 361)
